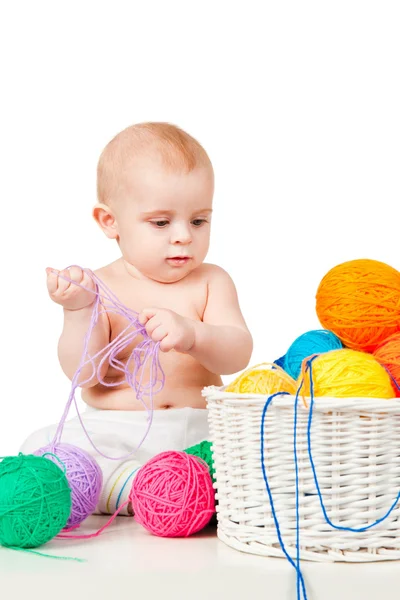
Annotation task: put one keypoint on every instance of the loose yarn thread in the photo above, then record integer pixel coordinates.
(300, 584)
(146, 353)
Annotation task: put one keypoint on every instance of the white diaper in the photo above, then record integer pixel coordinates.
(116, 433)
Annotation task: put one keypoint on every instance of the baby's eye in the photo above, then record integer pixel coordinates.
(198, 222)
(161, 223)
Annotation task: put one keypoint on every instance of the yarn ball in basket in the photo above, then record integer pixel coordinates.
(280, 362)
(359, 301)
(173, 495)
(35, 501)
(203, 451)
(315, 341)
(346, 374)
(84, 477)
(265, 378)
(388, 355)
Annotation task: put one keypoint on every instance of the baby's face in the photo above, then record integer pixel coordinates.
(163, 221)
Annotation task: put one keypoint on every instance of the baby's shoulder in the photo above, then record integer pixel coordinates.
(108, 272)
(213, 272)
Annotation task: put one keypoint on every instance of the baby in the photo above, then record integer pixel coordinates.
(155, 187)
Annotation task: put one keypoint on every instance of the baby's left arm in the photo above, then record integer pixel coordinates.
(223, 343)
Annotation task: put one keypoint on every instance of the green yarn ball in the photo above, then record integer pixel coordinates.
(203, 450)
(35, 500)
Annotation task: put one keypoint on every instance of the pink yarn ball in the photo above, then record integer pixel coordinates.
(83, 475)
(172, 495)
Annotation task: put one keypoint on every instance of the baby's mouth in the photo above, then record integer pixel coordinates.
(178, 260)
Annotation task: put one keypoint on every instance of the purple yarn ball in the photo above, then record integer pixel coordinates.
(83, 475)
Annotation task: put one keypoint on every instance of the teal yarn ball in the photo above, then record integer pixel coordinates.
(316, 341)
(35, 500)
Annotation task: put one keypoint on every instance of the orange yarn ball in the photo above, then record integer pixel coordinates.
(388, 355)
(359, 301)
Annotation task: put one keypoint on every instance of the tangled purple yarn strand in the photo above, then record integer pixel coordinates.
(146, 352)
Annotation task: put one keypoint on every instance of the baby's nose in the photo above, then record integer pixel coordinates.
(181, 235)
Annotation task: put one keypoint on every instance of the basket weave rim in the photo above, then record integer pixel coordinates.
(382, 405)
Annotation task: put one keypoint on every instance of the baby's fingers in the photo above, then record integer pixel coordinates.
(146, 315)
(167, 343)
(52, 279)
(75, 273)
(63, 281)
(87, 282)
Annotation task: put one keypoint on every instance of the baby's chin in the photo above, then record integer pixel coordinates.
(165, 274)
(171, 275)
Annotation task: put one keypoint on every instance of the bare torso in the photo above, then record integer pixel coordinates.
(184, 376)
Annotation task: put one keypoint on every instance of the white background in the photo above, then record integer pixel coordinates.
(297, 104)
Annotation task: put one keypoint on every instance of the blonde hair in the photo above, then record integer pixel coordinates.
(177, 149)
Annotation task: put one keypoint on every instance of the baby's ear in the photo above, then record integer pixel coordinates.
(104, 217)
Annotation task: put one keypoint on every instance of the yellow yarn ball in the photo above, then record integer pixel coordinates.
(265, 378)
(346, 374)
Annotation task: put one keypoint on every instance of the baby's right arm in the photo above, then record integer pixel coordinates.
(78, 308)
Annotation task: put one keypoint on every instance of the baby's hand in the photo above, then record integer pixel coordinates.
(166, 326)
(69, 295)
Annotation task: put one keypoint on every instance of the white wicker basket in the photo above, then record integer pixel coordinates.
(355, 446)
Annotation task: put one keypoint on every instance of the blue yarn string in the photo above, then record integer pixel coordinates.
(300, 579)
(296, 466)
(300, 585)
(327, 519)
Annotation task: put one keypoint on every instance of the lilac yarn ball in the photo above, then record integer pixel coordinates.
(83, 475)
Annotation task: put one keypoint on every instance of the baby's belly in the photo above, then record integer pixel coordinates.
(182, 387)
(125, 399)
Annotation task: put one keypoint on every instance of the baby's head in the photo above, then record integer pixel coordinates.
(155, 186)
